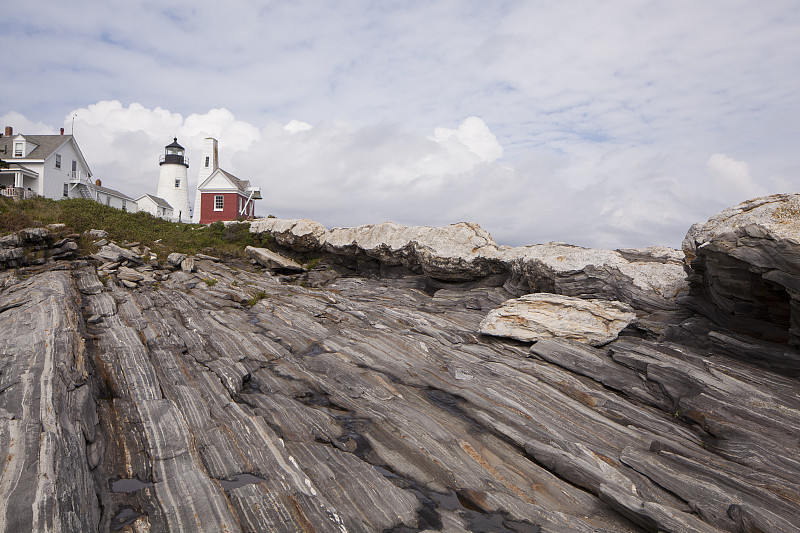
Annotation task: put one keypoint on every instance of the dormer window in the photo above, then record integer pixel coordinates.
(19, 148)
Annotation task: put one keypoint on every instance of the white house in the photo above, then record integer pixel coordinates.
(109, 197)
(156, 206)
(44, 165)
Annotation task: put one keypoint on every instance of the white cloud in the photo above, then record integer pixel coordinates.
(732, 178)
(296, 126)
(596, 120)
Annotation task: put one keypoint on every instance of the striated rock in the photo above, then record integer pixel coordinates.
(543, 316)
(642, 281)
(369, 405)
(272, 260)
(744, 266)
(34, 246)
(187, 265)
(649, 279)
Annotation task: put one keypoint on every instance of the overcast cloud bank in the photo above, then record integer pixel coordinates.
(606, 124)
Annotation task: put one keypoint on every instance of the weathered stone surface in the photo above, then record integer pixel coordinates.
(46, 410)
(648, 279)
(272, 260)
(543, 316)
(744, 266)
(372, 405)
(187, 265)
(175, 259)
(34, 246)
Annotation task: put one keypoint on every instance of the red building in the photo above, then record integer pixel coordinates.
(223, 196)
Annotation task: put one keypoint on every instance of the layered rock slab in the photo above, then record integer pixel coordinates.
(649, 278)
(544, 316)
(744, 266)
(370, 405)
(47, 415)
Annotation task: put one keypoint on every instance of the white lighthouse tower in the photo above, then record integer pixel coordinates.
(209, 164)
(172, 185)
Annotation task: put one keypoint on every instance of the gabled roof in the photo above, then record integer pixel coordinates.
(46, 145)
(240, 185)
(160, 202)
(111, 192)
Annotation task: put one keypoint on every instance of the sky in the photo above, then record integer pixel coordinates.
(608, 124)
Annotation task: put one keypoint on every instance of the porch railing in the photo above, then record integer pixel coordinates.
(18, 193)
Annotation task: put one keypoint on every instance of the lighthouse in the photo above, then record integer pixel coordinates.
(172, 185)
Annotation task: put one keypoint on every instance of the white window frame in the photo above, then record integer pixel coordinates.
(58, 160)
(177, 183)
(207, 161)
(66, 190)
(219, 199)
(19, 149)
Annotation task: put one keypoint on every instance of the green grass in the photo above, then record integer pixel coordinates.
(257, 297)
(160, 235)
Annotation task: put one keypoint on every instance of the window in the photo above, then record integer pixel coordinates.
(18, 149)
(219, 202)
(58, 162)
(177, 184)
(207, 162)
(66, 189)
(123, 206)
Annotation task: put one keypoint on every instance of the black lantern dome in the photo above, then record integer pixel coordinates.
(173, 154)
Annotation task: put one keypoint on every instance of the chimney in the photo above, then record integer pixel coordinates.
(9, 131)
(62, 131)
(98, 183)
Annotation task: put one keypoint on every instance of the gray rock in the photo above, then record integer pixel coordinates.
(98, 233)
(175, 259)
(187, 265)
(649, 279)
(269, 259)
(744, 266)
(544, 316)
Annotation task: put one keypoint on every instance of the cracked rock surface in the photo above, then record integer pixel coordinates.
(370, 404)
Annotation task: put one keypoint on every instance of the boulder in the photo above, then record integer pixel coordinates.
(175, 259)
(269, 259)
(744, 268)
(187, 265)
(545, 316)
(648, 278)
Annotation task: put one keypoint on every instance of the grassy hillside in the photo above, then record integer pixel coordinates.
(80, 215)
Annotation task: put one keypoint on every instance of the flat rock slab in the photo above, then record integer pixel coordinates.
(545, 316)
(269, 259)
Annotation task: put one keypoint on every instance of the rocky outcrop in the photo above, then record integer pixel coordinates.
(744, 266)
(649, 279)
(247, 404)
(544, 316)
(34, 246)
